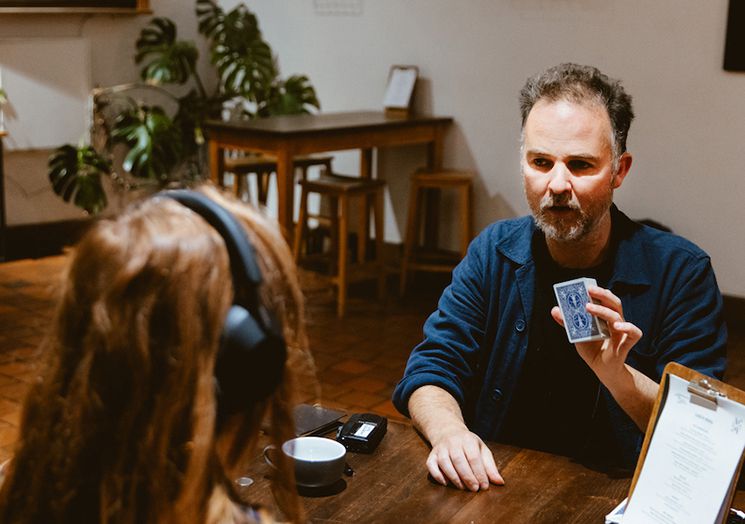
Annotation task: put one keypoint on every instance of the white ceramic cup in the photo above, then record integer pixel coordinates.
(318, 461)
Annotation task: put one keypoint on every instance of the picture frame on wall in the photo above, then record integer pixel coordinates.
(734, 46)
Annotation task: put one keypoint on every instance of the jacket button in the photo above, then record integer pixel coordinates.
(520, 326)
(496, 395)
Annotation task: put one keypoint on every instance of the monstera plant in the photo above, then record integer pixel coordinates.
(155, 148)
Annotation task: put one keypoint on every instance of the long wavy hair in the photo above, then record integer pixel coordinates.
(121, 428)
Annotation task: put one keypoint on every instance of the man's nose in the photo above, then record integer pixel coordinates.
(560, 179)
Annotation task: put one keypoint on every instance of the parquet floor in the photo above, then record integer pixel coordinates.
(358, 359)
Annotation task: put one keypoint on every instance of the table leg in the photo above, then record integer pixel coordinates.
(366, 157)
(285, 192)
(217, 162)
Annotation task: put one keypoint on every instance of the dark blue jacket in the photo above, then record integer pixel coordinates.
(475, 343)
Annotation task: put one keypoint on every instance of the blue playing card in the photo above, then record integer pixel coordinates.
(581, 326)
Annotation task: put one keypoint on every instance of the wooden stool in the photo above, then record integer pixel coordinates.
(435, 260)
(263, 166)
(340, 190)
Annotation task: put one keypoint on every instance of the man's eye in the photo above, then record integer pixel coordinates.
(579, 165)
(542, 163)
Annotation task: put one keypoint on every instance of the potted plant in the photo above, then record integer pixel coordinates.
(156, 148)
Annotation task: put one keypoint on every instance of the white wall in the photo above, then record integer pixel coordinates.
(474, 56)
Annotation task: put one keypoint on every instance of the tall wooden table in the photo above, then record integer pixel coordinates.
(391, 485)
(288, 136)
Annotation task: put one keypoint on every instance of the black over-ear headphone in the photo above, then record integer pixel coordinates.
(252, 353)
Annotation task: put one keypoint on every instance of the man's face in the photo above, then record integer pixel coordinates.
(567, 167)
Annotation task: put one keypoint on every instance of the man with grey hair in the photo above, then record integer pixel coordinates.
(495, 362)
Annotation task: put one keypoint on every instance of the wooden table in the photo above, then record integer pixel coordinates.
(392, 486)
(288, 136)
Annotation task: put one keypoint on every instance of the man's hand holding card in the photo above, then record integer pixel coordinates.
(593, 319)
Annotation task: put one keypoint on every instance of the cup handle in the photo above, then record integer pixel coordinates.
(267, 459)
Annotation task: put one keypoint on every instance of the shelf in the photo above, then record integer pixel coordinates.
(10, 7)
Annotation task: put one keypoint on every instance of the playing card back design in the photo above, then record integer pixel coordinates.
(572, 296)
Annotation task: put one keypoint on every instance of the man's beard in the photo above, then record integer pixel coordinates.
(572, 223)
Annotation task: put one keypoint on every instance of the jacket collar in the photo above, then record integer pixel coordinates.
(631, 264)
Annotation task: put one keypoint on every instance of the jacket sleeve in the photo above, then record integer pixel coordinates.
(693, 331)
(453, 334)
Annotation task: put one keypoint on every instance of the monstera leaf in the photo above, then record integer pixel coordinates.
(243, 59)
(75, 174)
(290, 97)
(193, 109)
(154, 142)
(166, 60)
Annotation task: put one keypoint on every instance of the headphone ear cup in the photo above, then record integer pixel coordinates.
(250, 362)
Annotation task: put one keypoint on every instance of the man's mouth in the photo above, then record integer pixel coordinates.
(559, 209)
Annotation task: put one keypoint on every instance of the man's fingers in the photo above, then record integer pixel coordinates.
(611, 316)
(434, 469)
(558, 317)
(631, 335)
(472, 451)
(442, 469)
(464, 469)
(605, 297)
(491, 467)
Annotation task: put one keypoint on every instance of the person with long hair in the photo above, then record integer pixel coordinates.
(124, 424)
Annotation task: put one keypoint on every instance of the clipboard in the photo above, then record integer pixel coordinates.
(703, 391)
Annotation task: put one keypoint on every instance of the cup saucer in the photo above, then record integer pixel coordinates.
(322, 491)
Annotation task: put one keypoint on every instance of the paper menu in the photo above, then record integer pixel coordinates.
(691, 461)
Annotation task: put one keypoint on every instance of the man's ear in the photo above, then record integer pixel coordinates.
(624, 165)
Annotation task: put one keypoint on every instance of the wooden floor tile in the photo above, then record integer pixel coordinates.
(352, 366)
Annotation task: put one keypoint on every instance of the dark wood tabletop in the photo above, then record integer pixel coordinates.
(325, 122)
(392, 485)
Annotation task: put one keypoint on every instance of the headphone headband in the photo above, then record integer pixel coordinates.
(251, 359)
(243, 266)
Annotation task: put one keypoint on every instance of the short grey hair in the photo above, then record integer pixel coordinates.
(582, 84)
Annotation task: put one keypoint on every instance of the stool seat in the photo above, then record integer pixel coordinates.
(331, 184)
(263, 165)
(341, 190)
(268, 163)
(433, 259)
(443, 178)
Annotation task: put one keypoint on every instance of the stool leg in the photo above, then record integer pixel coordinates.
(262, 183)
(341, 307)
(334, 204)
(363, 226)
(236, 185)
(379, 239)
(467, 233)
(412, 232)
(432, 214)
(301, 225)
